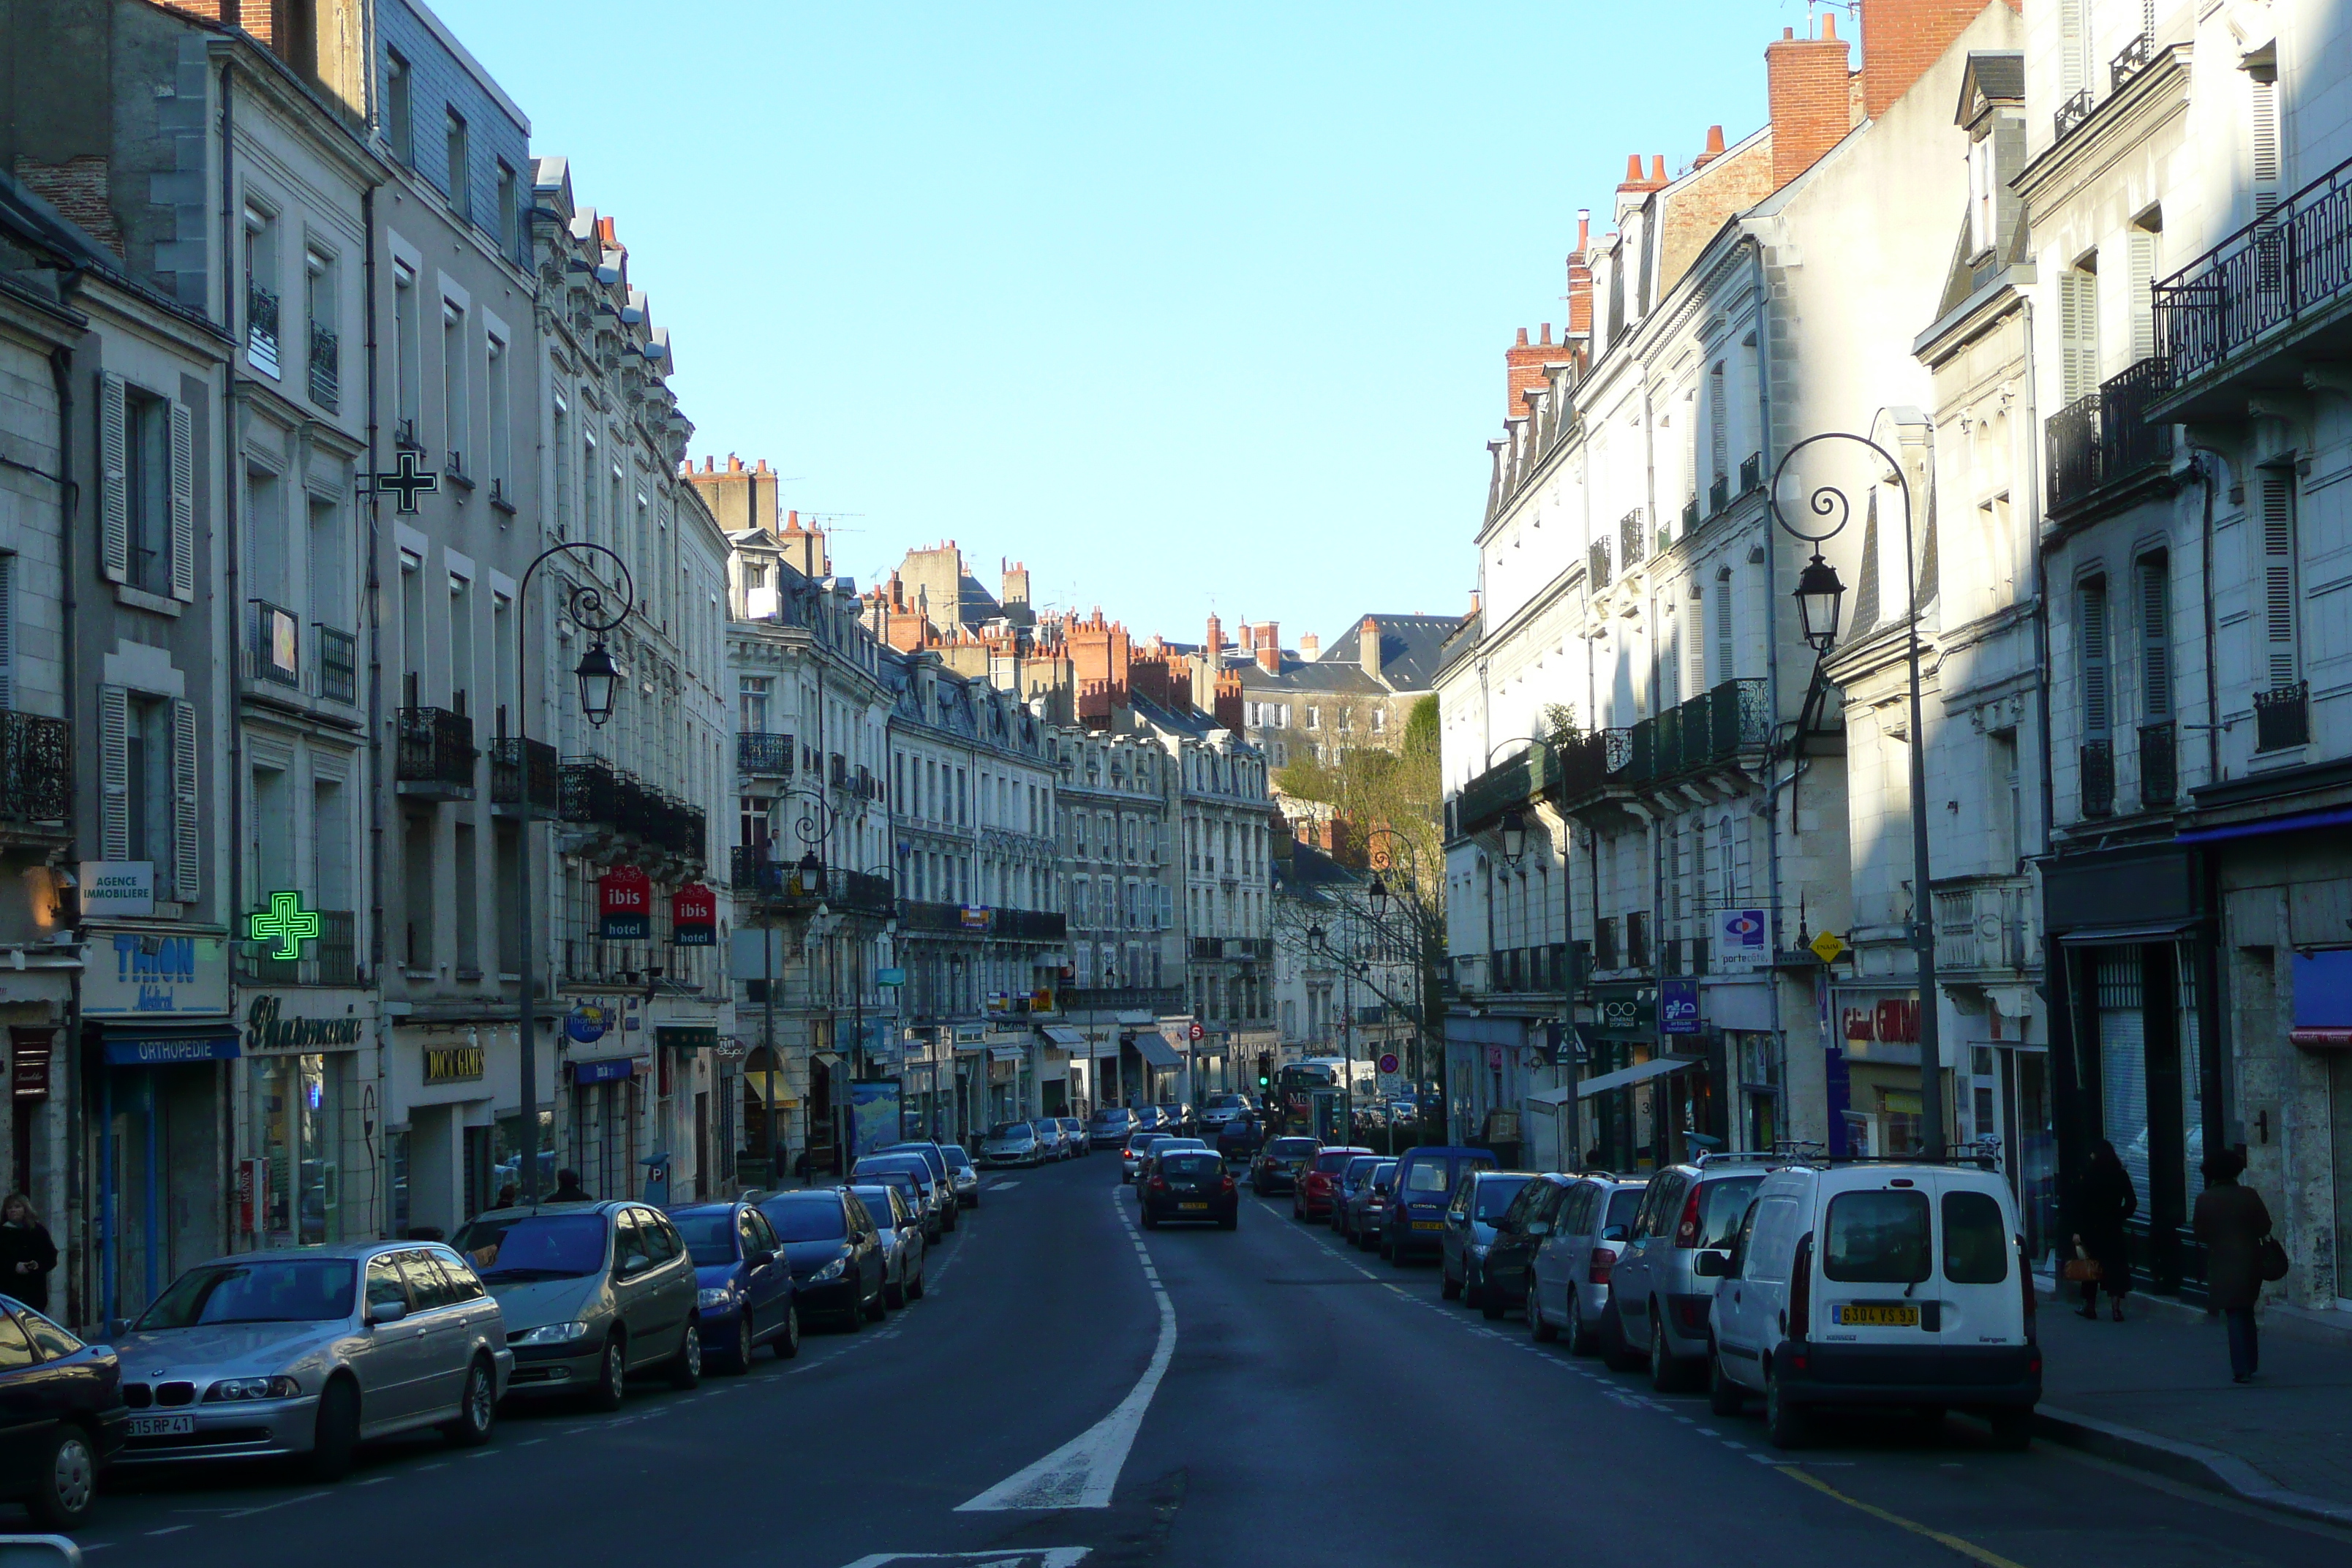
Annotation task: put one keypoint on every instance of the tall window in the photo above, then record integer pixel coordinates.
(498, 466)
(2091, 625)
(1718, 422)
(2078, 329)
(460, 197)
(754, 697)
(325, 345)
(454, 422)
(406, 368)
(397, 121)
(1726, 665)
(2140, 247)
(2155, 639)
(148, 482)
(2278, 576)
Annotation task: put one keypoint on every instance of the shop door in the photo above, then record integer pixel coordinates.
(2339, 1101)
(2030, 1144)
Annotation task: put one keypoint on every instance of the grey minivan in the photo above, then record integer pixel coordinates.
(1661, 1303)
(591, 1292)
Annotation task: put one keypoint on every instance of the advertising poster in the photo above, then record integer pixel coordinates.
(873, 1115)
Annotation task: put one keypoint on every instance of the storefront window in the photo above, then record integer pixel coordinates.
(2122, 1061)
(506, 1156)
(299, 1109)
(2192, 1082)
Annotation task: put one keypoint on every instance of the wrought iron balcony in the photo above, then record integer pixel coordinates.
(758, 753)
(1718, 494)
(2101, 441)
(37, 781)
(337, 660)
(1690, 516)
(2129, 61)
(273, 645)
(2282, 717)
(1154, 999)
(436, 753)
(1632, 539)
(2159, 765)
(1507, 785)
(1596, 563)
(2071, 114)
(525, 773)
(332, 959)
(261, 328)
(2098, 787)
(1751, 472)
(588, 791)
(326, 366)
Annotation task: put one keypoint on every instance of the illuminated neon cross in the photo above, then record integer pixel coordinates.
(286, 921)
(407, 479)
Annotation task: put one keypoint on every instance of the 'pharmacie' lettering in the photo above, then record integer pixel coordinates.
(266, 1031)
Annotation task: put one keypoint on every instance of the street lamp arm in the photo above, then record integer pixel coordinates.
(587, 600)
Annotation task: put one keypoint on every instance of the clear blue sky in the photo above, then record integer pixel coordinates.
(1183, 304)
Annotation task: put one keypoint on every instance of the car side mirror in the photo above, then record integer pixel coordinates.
(636, 1263)
(1538, 1227)
(383, 1312)
(761, 1259)
(1710, 1264)
(1613, 1233)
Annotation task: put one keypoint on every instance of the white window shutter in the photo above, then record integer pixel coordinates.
(2278, 576)
(2143, 302)
(187, 885)
(113, 478)
(114, 772)
(1726, 664)
(184, 504)
(1695, 642)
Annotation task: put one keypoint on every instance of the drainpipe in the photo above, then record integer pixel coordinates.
(68, 504)
(1771, 687)
(222, 1083)
(377, 797)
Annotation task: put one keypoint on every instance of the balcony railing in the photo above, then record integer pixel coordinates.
(1751, 472)
(759, 753)
(1632, 539)
(1690, 516)
(261, 328)
(2282, 717)
(2282, 267)
(2099, 778)
(37, 782)
(334, 959)
(1596, 563)
(2071, 114)
(1985, 926)
(588, 791)
(435, 752)
(1153, 999)
(2133, 57)
(1507, 785)
(338, 663)
(273, 643)
(525, 772)
(2159, 765)
(2105, 438)
(326, 366)
(1718, 494)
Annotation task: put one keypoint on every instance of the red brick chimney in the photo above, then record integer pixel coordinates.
(1367, 651)
(1901, 38)
(1310, 647)
(1580, 278)
(1524, 365)
(1810, 98)
(1268, 647)
(1216, 644)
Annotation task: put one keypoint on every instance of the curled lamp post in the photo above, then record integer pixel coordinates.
(1819, 596)
(599, 680)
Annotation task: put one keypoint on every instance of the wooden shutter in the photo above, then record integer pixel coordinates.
(186, 885)
(1718, 416)
(1695, 642)
(2278, 575)
(113, 773)
(2078, 333)
(113, 478)
(2143, 304)
(2092, 624)
(184, 504)
(2265, 142)
(2156, 640)
(2073, 31)
(1725, 664)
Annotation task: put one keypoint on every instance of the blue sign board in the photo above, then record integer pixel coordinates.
(1678, 1005)
(606, 1071)
(585, 1024)
(164, 1050)
(893, 975)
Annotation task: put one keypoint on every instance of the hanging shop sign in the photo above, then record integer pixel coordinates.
(1625, 1012)
(283, 927)
(587, 1024)
(266, 1028)
(28, 1062)
(686, 1036)
(893, 975)
(610, 1071)
(137, 975)
(625, 895)
(1741, 941)
(979, 919)
(694, 917)
(1678, 1005)
(453, 1064)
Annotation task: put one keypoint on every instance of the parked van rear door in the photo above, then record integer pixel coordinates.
(1877, 1260)
(1976, 1257)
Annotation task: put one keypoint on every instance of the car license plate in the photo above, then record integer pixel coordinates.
(1429, 1224)
(1191, 1206)
(162, 1425)
(1876, 1315)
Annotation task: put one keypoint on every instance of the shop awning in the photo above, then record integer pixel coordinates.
(2118, 936)
(1067, 1038)
(1156, 1051)
(1551, 1097)
(2294, 822)
(826, 1059)
(1006, 1053)
(604, 1070)
(1640, 1072)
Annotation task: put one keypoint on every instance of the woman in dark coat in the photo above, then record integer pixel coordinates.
(2103, 1200)
(26, 1253)
(2230, 1222)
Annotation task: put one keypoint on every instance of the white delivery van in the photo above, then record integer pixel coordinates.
(1876, 1283)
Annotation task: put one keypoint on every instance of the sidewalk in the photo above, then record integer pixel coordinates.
(2155, 1391)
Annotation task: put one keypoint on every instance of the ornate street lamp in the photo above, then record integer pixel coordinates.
(1819, 594)
(598, 678)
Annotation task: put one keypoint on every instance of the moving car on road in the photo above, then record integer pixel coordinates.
(1011, 1143)
(590, 1293)
(1318, 1184)
(743, 1283)
(835, 1254)
(1425, 1180)
(1479, 1199)
(1108, 1128)
(1137, 1150)
(1574, 1266)
(1661, 1301)
(1239, 1137)
(1188, 1184)
(1368, 1210)
(898, 1231)
(1220, 1109)
(306, 1352)
(1277, 1165)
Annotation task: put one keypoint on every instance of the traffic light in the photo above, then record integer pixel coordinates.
(1265, 1069)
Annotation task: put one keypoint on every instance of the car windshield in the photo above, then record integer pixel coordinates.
(1494, 1195)
(1293, 1148)
(1878, 1238)
(956, 1158)
(1428, 1176)
(1383, 1173)
(811, 1217)
(1190, 1167)
(1360, 1167)
(534, 1246)
(877, 1204)
(1721, 1205)
(913, 1167)
(1143, 1141)
(709, 1236)
(1623, 1204)
(1226, 1101)
(1328, 1162)
(288, 1291)
(1013, 1130)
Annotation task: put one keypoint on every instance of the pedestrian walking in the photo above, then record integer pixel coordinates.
(2103, 1200)
(26, 1253)
(2232, 1223)
(568, 1189)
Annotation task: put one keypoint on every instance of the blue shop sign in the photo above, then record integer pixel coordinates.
(606, 1071)
(166, 1050)
(1678, 1005)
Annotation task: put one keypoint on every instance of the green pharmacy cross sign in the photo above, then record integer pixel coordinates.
(287, 922)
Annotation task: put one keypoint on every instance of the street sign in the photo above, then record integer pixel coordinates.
(1389, 1062)
(1678, 1005)
(1197, 1031)
(1827, 946)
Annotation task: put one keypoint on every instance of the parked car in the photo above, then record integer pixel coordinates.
(1660, 1300)
(1277, 1167)
(1367, 1208)
(61, 1402)
(935, 1212)
(1175, 1116)
(1011, 1143)
(963, 1179)
(936, 1156)
(1876, 1284)
(743, 1283)
(1138, 1148)
(292, 1353)
(1352, 1174)
(1425, 1179)
(899, 1230)
(1478, 1202)
(590, 1293)
(1051, 1143)
(1108, 1128)
(1073, 1137)
(1311, 1196)
(1148, 1119)
(1501, 1279)
(1572, 1267)
(1220, 1109)
(835, 1254)
(1188, 1184)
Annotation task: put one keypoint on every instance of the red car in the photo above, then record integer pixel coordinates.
(1311, 1196)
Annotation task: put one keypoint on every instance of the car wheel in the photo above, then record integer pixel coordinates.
(788, 1344)
(1580, 1333)
(1621, 1356)
(1784, 1423)
(2013, 1430)
(1665, 1376)
(879, 1306)
(1539, 1328)
(854, 1319)
(478, 1410)
(1150, 1221)
(686, 1367)
(1472, 1295)
(1723, 1395)
(915, 1291)
(611, 1375)
(337, 1435)
(738, 1357)
(1491, 1303)
(1448, 1288)
(894, 1295)
(65, 1480)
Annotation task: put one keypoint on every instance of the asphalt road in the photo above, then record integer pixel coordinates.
(1258, 1396)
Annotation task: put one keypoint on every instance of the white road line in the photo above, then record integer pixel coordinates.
(168, 1530)
(288, 1503)
(1083, 1472)
(1023, 1557)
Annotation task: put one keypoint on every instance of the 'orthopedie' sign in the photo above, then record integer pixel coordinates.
(266, 1028)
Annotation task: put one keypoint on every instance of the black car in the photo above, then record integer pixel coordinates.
(1239, 1138)
(1510, 1257)
(61, 1406)
(836, 1257)
(1188, 1184)
(1277, 1167)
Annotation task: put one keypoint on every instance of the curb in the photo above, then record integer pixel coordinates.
(2186, 1462)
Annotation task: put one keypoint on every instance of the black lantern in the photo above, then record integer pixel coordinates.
(1819, 594)
(1515, 837)
(1380, 897)
(598, 678)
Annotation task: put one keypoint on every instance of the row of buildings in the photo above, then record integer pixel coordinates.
(2075, 270)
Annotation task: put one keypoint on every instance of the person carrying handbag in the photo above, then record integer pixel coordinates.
(2103, 1200)
(2234, 1224)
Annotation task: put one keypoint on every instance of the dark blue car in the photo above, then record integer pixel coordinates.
(1424, 1182)
(744, 1282)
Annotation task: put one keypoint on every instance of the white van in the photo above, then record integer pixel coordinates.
(1877, 1284)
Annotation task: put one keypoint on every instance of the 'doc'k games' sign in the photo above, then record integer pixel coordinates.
(694, 917)
(626, 896)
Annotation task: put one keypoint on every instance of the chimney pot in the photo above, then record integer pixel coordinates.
(1634, 168)
(1829, 26)
(1714, 139)
(1546, 332)
(1658, 167)
(1523, 337)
